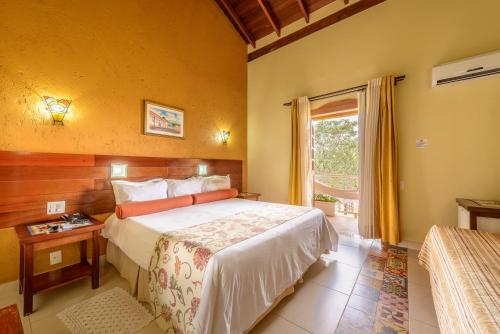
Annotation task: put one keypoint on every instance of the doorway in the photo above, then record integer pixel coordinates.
(335, 144)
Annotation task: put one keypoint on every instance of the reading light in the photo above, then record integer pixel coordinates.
(224, 136)
(118, 170)
(202, 170)
(57, 108)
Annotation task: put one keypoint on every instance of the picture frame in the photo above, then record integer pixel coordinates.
(161, 120)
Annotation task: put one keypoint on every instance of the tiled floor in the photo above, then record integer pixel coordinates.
(317, 305)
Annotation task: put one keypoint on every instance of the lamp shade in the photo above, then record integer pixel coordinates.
(224, 136)
(57, 108)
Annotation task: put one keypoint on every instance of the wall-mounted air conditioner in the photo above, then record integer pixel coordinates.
(466, 69)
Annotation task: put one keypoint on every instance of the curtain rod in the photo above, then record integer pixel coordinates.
(344, 91)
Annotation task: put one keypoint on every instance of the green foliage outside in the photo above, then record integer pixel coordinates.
(336, 152)
(325, 198)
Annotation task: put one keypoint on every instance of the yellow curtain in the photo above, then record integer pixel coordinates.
(386, 166)
(295, 183)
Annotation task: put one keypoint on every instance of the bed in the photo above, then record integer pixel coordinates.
(242, 282)
(464, 269)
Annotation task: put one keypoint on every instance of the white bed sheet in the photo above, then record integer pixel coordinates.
(242, 281)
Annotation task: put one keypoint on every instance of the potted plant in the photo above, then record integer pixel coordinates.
(326, 203)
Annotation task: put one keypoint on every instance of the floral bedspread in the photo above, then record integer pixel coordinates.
(180, 257)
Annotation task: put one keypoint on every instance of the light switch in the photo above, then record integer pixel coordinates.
(56, 207)
(422, 143)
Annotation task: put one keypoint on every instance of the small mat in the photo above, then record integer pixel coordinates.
(10, 320)
(113, 311)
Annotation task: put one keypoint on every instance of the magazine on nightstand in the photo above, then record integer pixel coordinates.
(67, 223)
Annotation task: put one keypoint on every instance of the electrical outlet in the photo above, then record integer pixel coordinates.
(56, 207)
(55, 257)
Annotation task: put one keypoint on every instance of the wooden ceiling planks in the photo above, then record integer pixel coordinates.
(327, 21)
(255, 19)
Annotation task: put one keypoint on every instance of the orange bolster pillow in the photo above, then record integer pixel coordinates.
(217, 195)
(132, 209)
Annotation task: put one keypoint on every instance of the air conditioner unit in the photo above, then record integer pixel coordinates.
(466, 69)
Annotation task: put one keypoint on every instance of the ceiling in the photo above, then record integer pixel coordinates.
(254, 19)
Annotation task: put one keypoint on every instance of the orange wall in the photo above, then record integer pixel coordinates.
(108, 56)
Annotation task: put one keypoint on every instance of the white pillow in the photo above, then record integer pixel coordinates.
(184, 187)
(126, 191)
(216, 182)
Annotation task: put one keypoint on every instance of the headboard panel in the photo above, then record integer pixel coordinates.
(29, 180)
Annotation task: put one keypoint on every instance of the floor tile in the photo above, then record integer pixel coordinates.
(337, 276)
(313, 307)
(417, 327)
(416, 273)
(413, 253)
(366, 292)
(421, 304)
(353, 256)
(355, 320)
(47, 325)
(370, 281)
(363, 304)
(385, 327)
(274, 324)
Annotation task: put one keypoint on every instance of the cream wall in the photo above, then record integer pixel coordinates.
(108, 56)
(461, 121)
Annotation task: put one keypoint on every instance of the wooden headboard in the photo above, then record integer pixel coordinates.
(29, 180)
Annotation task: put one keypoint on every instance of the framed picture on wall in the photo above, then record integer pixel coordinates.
(163, 120)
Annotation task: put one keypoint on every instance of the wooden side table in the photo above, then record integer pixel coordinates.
(30, 284)
(477, 208)
(249, 196)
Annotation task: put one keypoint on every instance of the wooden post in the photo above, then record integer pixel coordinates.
(21, 267)
(27, 279)
(95, 260)
(83, 251)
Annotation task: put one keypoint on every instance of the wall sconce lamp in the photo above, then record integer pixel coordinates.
(57, 108)
(118, 170)
(202, 170)
(224, 136)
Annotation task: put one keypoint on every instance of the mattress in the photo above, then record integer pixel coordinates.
(242, 281)
(464, 268)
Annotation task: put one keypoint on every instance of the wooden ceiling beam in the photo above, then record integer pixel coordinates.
(303, 10)
(264, 5)
(237, 20)
(316, 26)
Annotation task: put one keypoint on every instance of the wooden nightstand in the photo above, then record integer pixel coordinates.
(30, 284)
(249, 196)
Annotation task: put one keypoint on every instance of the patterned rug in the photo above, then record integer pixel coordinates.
(379, 301)
(113, 311)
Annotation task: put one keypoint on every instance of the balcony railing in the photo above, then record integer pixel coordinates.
(337, 181)
(343, 187)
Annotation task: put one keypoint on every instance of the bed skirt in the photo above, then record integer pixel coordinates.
(138, 279)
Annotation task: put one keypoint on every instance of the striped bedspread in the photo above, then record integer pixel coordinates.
(464, 268)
